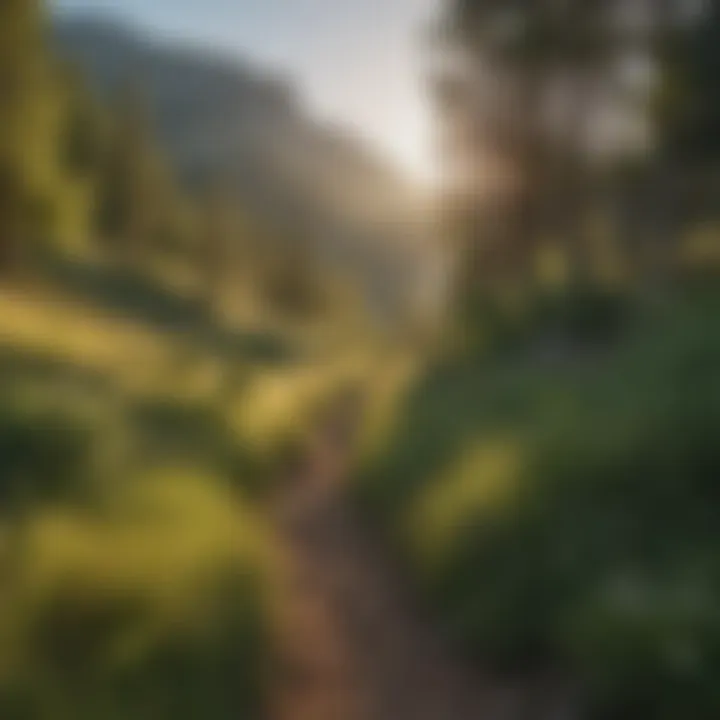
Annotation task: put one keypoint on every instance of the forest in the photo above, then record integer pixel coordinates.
(284, 437)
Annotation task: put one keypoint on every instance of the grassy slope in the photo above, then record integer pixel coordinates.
(137, 573)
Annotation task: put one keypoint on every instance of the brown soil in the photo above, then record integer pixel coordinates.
(353, 645)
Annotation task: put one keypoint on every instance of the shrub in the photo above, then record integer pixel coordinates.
(154, 608)
(45, 454)
(584, 314)
(567, 517)
(196, 433)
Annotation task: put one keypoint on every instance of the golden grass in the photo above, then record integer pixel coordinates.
(136, 358)
(49, 324)
(165, 548)
(281, 404)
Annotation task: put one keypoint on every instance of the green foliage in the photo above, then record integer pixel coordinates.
(127, 187)
(152, 607)
(45, 455)
(567, 319)
(688, 106)
(126, 592)
(82, 144)
(91, 178)
(562, 512)
(20, 86)
(197, 434)
(583, 314)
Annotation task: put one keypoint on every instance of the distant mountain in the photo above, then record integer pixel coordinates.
(220, 116)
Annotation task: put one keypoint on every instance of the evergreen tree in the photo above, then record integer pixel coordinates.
(21, 60)
(689, 111)
(216, 237)
(82, 138)
(126, 208)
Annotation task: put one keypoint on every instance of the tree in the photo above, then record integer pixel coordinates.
(542, 64)
(218, 227)
(688, 111)
(21, 60)
(126, 207)
(550, 69)
(684, 113)
(83, 131)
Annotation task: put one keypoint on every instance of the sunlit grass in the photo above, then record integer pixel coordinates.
(281, 407)
(174, 561)
(480, 485)
(131, 590)
(136, 358)
(49, 324)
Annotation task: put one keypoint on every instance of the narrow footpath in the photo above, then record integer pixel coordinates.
(353, 646)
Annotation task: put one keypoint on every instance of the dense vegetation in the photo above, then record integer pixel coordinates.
(135, 579)
(159, 370)
(549, 477)
(561, 512)
(552, 478)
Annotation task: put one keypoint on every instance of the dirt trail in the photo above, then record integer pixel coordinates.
(352, 645)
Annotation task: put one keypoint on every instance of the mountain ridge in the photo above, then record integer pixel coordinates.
(221, 117)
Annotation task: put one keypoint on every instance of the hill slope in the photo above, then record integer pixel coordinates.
(222, 117)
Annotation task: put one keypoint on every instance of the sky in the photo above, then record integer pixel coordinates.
(358, 62)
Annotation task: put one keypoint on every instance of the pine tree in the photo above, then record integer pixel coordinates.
(21, 60)
(126, 209)
(524, 60)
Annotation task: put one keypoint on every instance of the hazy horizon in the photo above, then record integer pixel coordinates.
(356, 64)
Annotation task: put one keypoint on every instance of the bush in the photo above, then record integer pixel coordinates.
(154, 608)
(583, 314)
(126, 592)
(580, 316)
(45, 454)
(196, 433)
(567, 517)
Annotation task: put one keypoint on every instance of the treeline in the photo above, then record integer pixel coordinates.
(585, 131)
(88, 177)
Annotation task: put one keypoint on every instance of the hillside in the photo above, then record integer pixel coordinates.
(223, 117)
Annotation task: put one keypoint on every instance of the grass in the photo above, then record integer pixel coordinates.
(164, 309)
(150, 606)
(136, 580)
(283, 407)
(561, 511)
(138, 436)
(137, 575)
